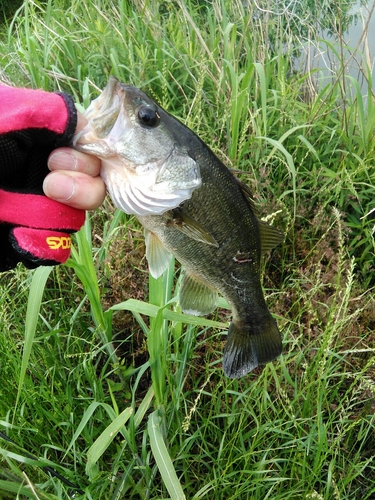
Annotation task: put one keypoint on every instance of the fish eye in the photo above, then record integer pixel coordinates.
(148, 116)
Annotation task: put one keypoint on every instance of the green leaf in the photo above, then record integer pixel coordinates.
(38, 284)
(150, 310)
(162, 457)
(104, 440)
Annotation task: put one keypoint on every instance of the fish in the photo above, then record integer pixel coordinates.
(191, 206)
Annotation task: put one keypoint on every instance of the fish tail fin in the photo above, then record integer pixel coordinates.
(249, 346)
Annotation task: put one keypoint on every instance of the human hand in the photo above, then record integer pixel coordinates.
(74, 178)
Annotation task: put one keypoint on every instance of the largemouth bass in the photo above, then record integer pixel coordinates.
(191, 206)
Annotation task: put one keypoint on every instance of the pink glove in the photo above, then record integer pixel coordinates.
(33, 229)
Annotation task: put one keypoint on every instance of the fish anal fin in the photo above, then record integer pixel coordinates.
(269, 236)
(195, 297)
(158, 257)
(191, 228)
(248, 346)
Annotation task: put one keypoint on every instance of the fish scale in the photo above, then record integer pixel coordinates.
(193, 207)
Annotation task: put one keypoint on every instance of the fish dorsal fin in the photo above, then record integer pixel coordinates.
(248, 195)
(269, 236)
(157, 255)
(191, 228)
(195, 297)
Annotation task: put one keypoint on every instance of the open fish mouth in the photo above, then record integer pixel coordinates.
(146, 172)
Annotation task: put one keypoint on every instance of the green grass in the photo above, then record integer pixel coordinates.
(102, 379)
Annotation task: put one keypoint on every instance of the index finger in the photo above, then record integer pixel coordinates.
(69, 159)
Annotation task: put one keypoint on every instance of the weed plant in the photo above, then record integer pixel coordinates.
(107, 390)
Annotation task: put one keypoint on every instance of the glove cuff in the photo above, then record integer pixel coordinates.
(38, 211)
(37, 247)
(67, 137)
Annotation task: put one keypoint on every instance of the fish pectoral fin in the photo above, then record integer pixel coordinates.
(157, 255)
(248, 346)
(191, 228)
(269, 236)
(195, 297)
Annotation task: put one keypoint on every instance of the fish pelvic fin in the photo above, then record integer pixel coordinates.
(157, 255)
(249, 346)
(195, 297)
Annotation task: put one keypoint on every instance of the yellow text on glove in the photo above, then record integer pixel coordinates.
(59, 242)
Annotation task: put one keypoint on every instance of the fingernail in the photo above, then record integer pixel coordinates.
(59, 187)
(62, 160)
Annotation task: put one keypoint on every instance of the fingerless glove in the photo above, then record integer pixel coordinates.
(34, 229)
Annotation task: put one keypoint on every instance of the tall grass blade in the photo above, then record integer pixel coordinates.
(263, 93)
(277, 145)
(38, 284)
(162, 457)
(104, 440)
(18, 489)
(82, 261)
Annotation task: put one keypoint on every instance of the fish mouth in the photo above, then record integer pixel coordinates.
(102, 116)
(107, 100)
